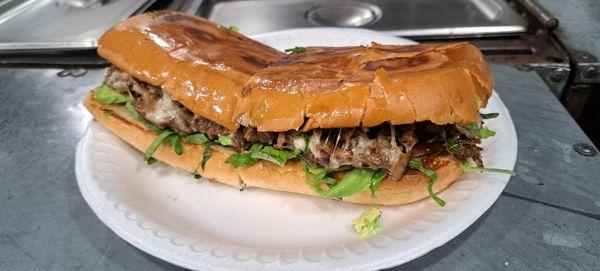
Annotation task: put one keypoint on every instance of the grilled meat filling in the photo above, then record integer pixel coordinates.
(384, 147)
(159, 109)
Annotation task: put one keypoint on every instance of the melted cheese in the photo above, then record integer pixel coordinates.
(312, 144)
(165, 110)
(299, 143)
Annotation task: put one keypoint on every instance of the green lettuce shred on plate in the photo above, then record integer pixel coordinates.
(368, 222)
(470, 166)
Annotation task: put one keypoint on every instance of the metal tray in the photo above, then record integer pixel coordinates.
(409, 18)
(58, 25)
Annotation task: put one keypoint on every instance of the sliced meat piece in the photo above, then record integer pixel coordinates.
(428, 148)
(467, 142)
(333, 148)
(250, 134)
(159, 109)
(117, 79)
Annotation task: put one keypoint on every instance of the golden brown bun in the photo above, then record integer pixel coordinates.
(222, 76)
(196, 62)
(290, 178)
(336, 87)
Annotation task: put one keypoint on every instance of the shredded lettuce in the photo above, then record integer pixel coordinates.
(258, 151)
(198, 139)
(296, 49)
(195, 173)
(151, 160)
(353, 182)
(155, 144)
(416, 163)
(368, 222)
(316, 176)
(376, 182)
(136, 115)
(233, 29)
(489, 115)
(241, 159)
(437, 199)
(452, 145)
(207, 154)
(175, 141)
(275, 155)
(470, 166)
(478, 130)
(107, 95)
(225, 140)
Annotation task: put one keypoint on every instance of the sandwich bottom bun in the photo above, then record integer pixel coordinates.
(263, 174)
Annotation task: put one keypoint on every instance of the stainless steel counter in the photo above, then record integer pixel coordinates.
(578, 28)
(405, 18)
(547, 218)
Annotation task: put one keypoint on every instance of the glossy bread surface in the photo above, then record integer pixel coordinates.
(196, 62)
(331, 87)
(228, 78)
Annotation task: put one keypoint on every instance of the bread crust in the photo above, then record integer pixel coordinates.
(289, 178)
(339, 87)
(229, 78)
(196, 62)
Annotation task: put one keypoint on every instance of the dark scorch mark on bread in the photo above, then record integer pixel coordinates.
(181, 18)
(395, 63)
(199, 35)
(246, 91)
(255, 61)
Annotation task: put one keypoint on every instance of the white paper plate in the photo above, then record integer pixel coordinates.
(199, 225)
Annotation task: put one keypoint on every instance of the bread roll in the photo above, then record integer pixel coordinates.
(228, 78)
(339, 87)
